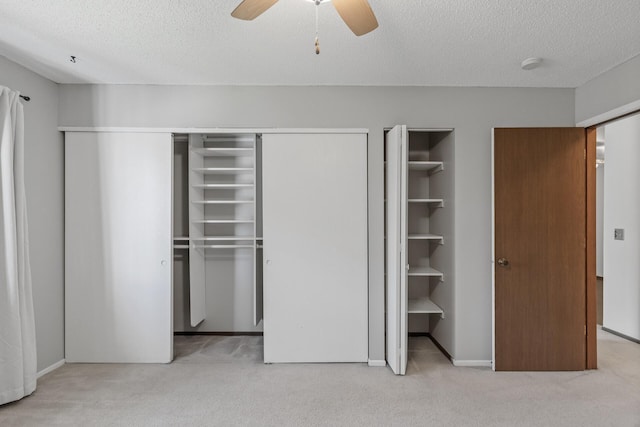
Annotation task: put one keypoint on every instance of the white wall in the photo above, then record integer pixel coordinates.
(44, 177)
(622, 210)
(471, 111)
(609, 95)
(599, 219)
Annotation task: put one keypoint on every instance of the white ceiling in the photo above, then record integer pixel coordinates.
(419, 42)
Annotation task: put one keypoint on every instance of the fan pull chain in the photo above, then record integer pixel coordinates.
(317, 29)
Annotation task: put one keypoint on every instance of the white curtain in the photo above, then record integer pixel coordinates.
(17, 327)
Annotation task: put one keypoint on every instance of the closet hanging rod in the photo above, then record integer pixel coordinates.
(25, 97)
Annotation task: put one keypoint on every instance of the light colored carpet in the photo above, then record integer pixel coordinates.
(222, 381)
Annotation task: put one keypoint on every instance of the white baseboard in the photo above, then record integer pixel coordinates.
(377, 363)
(51, 368)
(472, 363)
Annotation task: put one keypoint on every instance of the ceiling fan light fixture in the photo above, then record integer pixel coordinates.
(248, 10)
(357, 14)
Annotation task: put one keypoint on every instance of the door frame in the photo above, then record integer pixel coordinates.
(591, 350)
(590, 287)
(591, 125)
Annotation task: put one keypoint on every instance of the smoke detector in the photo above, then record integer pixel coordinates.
(531, 63)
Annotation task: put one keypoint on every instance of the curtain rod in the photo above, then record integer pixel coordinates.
(25, 97)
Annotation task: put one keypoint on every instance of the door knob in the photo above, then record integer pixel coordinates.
(503, 262)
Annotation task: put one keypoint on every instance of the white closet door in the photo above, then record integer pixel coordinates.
(118, 247)
(197, 264)
(396, 197)
(315, 247)
(257, 254)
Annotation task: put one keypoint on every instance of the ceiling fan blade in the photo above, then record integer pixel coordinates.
(357, 14)
(251, 9)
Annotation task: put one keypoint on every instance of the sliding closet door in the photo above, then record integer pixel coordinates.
(118, 247)
(315, 247)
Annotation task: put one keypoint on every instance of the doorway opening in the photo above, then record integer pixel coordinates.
(618, 227)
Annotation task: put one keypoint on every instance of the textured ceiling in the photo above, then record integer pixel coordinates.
(419, 42)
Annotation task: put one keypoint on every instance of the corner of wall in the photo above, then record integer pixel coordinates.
(44, 181)
(611, 94)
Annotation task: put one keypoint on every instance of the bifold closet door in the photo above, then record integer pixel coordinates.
(315, 247)
(396, 208)
(118, 247)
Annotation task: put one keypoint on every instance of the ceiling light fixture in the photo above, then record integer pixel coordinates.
(357, 14)
(318, 3)
(531, 63)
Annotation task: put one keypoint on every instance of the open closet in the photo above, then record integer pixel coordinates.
(224, 232)
(419, 237)
(257, 222)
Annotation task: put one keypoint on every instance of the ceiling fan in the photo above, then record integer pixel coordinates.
(357, 14)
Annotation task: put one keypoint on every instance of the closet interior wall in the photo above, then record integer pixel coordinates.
(205, 187)
(181, 313)
(441, 222)
(430, 231)
(435, 219)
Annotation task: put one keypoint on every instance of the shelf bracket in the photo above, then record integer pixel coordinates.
(437, 169)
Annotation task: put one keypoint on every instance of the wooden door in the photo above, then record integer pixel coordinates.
(118, 247)
(314, 210)
(540, 190)
(396, 226)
